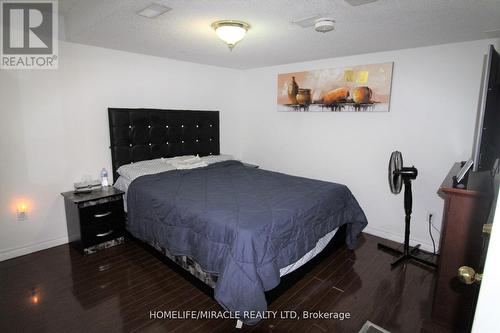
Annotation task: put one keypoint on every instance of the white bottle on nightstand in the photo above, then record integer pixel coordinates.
(104, 177)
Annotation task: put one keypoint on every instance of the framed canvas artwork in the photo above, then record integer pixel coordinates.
(354, 88)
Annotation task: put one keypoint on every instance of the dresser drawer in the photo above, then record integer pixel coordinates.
(103, 212)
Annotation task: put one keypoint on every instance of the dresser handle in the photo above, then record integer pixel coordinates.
(103, 214)
(104, 234)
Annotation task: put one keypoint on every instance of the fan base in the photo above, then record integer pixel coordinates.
(405, 257)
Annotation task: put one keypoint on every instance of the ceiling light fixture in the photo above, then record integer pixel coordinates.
(230, 31)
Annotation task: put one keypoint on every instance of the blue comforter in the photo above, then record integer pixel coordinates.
(240, 222)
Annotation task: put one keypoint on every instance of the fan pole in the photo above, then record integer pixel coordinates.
(408, 253)
(408, 202)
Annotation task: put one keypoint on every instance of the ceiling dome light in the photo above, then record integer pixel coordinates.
(230, 31)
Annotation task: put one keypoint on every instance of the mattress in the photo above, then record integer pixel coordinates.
(320, 246)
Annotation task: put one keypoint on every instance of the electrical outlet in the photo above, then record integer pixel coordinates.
(22, 212)
(432, 218)
(22, 215)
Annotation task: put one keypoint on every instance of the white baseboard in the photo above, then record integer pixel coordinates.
(424, 245)
(20, 251)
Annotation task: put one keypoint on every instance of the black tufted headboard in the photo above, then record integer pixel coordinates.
(143, 134)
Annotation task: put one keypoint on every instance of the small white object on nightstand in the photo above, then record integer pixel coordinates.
(104, 177)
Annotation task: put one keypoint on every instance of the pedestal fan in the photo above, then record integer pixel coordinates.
(399, 175)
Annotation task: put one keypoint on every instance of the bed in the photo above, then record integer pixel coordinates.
(236, 228)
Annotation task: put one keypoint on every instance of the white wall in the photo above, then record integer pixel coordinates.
(54, 127)
(431, 121)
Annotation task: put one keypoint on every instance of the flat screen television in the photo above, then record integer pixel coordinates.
(487, 137)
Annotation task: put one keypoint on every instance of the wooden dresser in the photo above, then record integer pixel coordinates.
(465, 212)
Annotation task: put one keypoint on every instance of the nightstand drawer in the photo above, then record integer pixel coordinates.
(102, 213)
(101, 232)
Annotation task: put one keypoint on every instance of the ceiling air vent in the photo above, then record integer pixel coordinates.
(154, 10)
(493, 33)
(307, 21)
(356, 3)
(321, 23)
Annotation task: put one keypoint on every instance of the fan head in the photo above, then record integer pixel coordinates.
(395, 167)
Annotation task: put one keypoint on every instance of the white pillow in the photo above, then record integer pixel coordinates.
(188, 163)
(210, 159)
(187, 159)
(182, 166)
(179, 158)
(133, 170)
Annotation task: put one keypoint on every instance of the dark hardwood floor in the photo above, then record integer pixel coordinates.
(59, 290)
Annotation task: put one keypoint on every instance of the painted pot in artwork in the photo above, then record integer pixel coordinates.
(336, 96)
(304, 97)
(293, 89)
(362, 95)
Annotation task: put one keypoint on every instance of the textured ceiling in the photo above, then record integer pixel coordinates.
(185, 33)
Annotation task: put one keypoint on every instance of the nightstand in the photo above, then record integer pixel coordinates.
(251, 165)
(95, 220)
